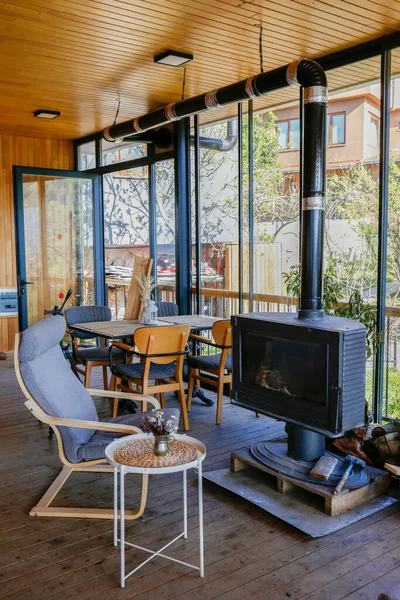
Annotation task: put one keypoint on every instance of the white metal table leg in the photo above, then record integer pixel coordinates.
(122, 524)
(185, 504)
(115, 507)
(200, 492)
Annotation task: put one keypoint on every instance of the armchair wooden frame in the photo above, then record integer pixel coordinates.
(43, 508)
(152, 346)
(222, 334)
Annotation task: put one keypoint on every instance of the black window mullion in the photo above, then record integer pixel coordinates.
(240, 203)
(382, 231)
(251, 203)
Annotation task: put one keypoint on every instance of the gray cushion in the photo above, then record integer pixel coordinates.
(49, 379)
(86, 314)
(135, 371)
(96, 446)
(210, 361)
(41, 337)
(98, 354)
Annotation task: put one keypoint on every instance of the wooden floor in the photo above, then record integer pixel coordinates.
(248, 553)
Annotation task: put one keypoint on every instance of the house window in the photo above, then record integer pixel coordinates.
(374, 131)
(336, 128)
(289, 134)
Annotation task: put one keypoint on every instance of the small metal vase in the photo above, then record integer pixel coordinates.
(161, 445)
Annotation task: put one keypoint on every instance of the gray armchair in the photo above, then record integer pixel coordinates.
(56, 397)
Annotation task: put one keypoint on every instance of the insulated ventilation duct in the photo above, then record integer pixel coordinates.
(311, 77)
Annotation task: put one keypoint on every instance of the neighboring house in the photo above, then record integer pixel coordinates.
(352, 129)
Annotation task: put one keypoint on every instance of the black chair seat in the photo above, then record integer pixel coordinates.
(209, 361)
(135, 371)
(97, 354)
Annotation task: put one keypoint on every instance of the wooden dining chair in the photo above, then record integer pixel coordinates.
(85, 359)
(219, 364)
(162, 351)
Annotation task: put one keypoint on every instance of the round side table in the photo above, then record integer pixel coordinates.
(123, 470)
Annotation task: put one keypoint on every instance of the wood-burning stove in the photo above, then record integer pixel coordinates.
(308, 372)
(307, 369)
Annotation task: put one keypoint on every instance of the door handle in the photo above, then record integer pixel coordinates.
(21, 283)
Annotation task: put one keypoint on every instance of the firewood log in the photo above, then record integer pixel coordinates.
(388, 445)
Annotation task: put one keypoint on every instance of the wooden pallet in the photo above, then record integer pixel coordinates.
(334, 505)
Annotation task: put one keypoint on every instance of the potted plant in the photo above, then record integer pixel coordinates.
(162, 430)
(354, 308)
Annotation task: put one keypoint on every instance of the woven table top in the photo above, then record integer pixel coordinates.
(140, 453)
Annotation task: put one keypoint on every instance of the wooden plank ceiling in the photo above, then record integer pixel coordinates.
(81, 56)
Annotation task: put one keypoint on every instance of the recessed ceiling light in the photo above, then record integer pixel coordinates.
(46, 114)
(173, 58)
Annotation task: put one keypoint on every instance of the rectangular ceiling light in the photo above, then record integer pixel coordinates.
(46, 114)
(173, 58)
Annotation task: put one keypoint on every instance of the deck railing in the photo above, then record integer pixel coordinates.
(224, 303)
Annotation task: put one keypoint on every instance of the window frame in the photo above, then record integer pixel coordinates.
(329, 116)
(288, 148)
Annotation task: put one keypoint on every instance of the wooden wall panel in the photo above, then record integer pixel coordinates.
(27, 152)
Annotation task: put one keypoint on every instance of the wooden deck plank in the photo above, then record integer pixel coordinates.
(247, 550)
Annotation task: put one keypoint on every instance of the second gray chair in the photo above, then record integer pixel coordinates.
(92, 356)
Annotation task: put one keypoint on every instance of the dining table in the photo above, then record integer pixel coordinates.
(125, 329)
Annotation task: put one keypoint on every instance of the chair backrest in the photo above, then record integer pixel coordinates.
(86, 314)
(162, 340)
(222, 333)
(51, 383)
(167, 309)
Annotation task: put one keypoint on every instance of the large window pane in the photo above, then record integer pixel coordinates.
(219, 219)
(87, 156)
(165, 231)
(391, 399)
(352, 205)
(116, 152)
(126, 230)
(276, 204)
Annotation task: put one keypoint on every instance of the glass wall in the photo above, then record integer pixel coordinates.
(118, 152)
(219, 217)
(391, 391)
(352, 203)
(165, 230)
(126, 230)
(275, 199)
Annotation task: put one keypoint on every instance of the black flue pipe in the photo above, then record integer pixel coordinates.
(311, 77)
(313, 80)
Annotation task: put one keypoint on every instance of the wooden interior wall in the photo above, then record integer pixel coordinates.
(27, 152)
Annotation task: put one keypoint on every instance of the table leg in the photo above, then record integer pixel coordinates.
(115, 507)
(198, 393)
(185, 504)
(200, 492)
(122, 524)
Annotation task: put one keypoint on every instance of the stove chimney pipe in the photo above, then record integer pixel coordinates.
(312, 78)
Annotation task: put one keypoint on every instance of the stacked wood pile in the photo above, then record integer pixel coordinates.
(375, 444)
